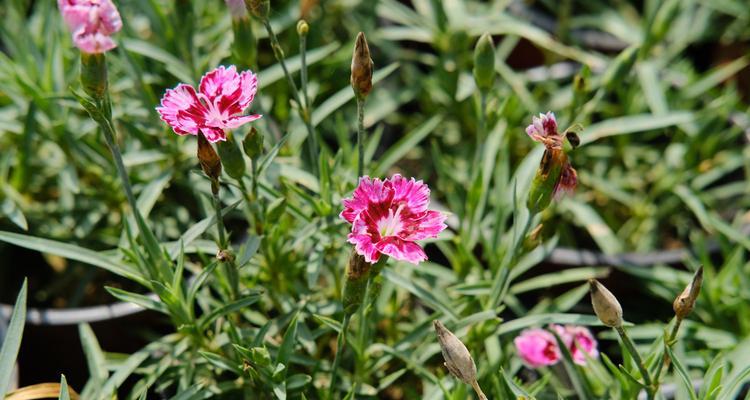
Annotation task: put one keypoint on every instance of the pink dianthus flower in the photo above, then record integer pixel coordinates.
(388, 216)
(92, 23)
(579, 341)
(537, 348)
(222, 97)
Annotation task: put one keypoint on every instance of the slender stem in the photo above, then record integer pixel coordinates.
(109, 137)
(630, 346)
(303, 69)
(304, 111)
(665, 359)
(219, 222)
(478, 390)
(229, 266)
(360, 134)
(340, 344)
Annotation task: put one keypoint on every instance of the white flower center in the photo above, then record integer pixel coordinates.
(214, 117)
(391, 225)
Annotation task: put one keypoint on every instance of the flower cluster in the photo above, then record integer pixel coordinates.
(92, 23)
(218, 104)
(538, 347)
(543, 129)
(388, 216)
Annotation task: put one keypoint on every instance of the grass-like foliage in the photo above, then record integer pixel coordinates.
(244, 170)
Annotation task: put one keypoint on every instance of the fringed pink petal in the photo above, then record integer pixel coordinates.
(401, 250)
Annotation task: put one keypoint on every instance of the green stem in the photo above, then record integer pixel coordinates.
(360, 134)
(630, 346)
(229, 267)
(340, 344)
(664, 359)
(304, 111)
(109, 137)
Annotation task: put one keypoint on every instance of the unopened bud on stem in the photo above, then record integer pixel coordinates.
(302, 27)
(546, 179)
(457, 357)
(685, 302)
(231, 157)
(606, 306)
(253, 143)
(357, 273)
(361, 78)
(210, 162)
(484, 62)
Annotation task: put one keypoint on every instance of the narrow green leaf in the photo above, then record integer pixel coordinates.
(94, 357)
(139, 299)
(64, 393)
(406, 143)
(287, 344)
(72, 252)
(682, 373)
(12, 340)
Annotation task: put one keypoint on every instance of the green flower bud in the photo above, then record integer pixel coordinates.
(94, 74)
(245, 45)
(231, 157)
(545, 181)
(253, 143)
(484, 62)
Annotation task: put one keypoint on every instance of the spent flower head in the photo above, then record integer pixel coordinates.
(685, 302)
(92, 23)
(389, 216)
(222, 97)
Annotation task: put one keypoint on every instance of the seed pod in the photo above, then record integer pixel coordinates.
(259, 8)
(231, 157)
(484, 62)
(606, 306)
(546, 179)
(253, 143)
(457, 357)
(685, 302)
(357, 272)
(94, 74)
(210, 162)
(362, 65)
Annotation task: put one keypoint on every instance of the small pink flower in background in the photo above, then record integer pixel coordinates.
(91, 22)
(579, 341)
(222, 96)
(388, 216)
(543, 129)
(537, 348)
(237, 8)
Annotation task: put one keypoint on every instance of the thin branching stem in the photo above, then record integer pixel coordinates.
(303, 109)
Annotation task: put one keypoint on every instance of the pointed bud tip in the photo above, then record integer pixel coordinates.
(361, 76)
(484, 62)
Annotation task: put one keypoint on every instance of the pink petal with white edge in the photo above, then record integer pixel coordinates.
(248, 86)
(428, 226)
(213, 83)
(181, 109)
(94, 43)
(401, 250)
(235, 122)
(214, 135)
(415, 194)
